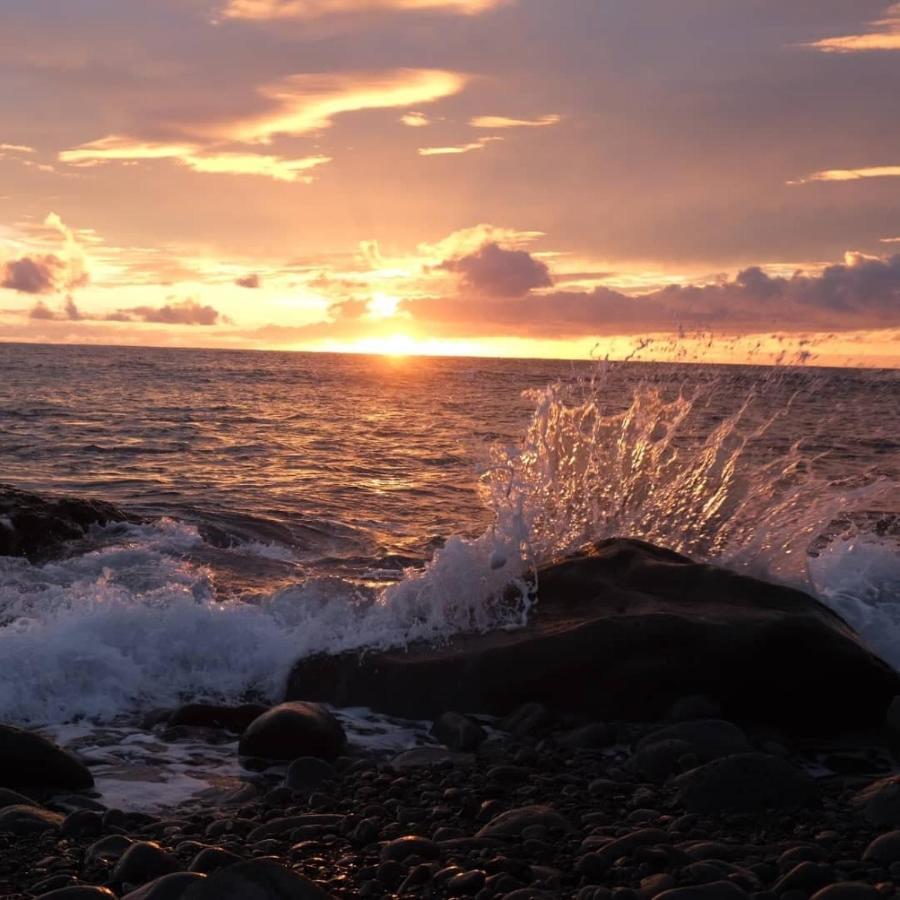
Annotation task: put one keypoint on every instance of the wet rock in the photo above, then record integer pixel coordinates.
(604, 852)
(28, 759)
(82, 823)
(411, 845)
(513, 822)
(211, 859)
(290, 824)
(235, 719)
(425, 757)
(848, 890)
(527, 720)
(709, 738)
(79, 892)
(292, 730)
(14, 798)
(168, 887)
(717, 890)
(660, 759)
(107, 849)
(592, 647)
(308, 773)
(466, 884)
(255, 880)
(142, 862)
(748, 782)
(879, 801)
(458, 732)
(589, 737)
(28, 819)
(38, 527)
(884, 849)
(805, 876)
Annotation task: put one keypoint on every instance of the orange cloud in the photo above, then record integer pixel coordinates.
(504, 122)
(313, 9)
(305, 103)
(457, 149)
(118, 148)
(15, 148)
(885, 36)
(851, 174)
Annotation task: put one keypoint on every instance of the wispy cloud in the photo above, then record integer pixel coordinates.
(885, 35)
(16, 148)
(456, 149)
(851, 174)
(415, 120)
(895, 240)
(118, 148)
(301, 104)
(504, 122)
(180, 312)
(314, 9)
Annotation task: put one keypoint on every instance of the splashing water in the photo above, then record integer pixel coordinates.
(758, 484)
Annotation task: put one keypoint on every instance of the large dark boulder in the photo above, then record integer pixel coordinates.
(622, 631)
(28, 759)
(38, 527)
(292, 730)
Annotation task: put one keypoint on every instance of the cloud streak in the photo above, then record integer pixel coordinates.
(504, 122)
(184, 312)
(885, 35)
(267, 10)
(851, 174)
(458, 149)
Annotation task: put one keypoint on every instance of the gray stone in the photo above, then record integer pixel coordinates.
(292, 730)
(143, 862)
(709, 738)
(255, 880)
(28, 819)
(515, 821)
(748, 782)
(458, 732)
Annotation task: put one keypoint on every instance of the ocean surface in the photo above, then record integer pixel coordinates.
(307, 502)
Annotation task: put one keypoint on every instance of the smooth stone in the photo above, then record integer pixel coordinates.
(591, 647)
(143, 862)
(255, 880)
(79, 892)
(28, 819)
(292, 730)
(527, 720)
(848, 890)
(717, 890)
(410, 845)
(805, 876)
(28, 759)
(884, 849)
(82, 823)
(709, 738)
(168, 887)
(14, 798)
(659, 760)
(513, 822)
(425, 757)
(748, 782)
(594, 736)
(879, 801)
(211, 859)
(604, 852)
(285, 826)
(458, 732)
(308, 773)
(107, 849)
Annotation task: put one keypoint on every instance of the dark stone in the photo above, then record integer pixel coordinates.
(206, 715)
(168, 887)
(748, 782)
(28, 819)
(107, 849)
(605, 852)
(292, 730)
(458, 732)
(466, 883)
(14, 798)
(589, 737)
(718, 890)
(411, 845)
(28, 759)
(82, 823)
(289, 824)
(659, 760)
(884, 849)
(426, 757)
(594, 647)
(694, 707)
(143, 862)
(527, 720)
(255, 880)
(211, 859)
(848, 890)
(879, 801)
(308, 773)
(79, 892)
(805, 876)
(513, 822)
(38, 527)
(709, 738)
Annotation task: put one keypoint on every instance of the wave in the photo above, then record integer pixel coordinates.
(759, 483)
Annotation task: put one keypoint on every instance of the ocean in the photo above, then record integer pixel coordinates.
(296, 503)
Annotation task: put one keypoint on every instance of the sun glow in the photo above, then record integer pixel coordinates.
(383, 306)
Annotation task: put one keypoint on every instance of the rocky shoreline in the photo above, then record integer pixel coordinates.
(534, 805)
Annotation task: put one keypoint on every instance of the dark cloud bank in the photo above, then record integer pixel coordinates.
(185, 312)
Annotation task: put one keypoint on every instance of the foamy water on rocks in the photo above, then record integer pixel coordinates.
(303, 503)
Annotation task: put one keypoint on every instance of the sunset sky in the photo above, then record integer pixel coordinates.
(492, 177)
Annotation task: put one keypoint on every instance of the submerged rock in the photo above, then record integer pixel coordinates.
(207, 715)
(292, 730)
(38, 527)
(28, 759)
(622, 631)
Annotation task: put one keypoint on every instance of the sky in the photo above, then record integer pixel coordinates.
(698, 179)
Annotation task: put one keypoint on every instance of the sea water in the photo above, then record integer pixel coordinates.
(296, 503)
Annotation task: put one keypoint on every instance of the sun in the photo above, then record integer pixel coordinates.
(394, 345)
(383, 306)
